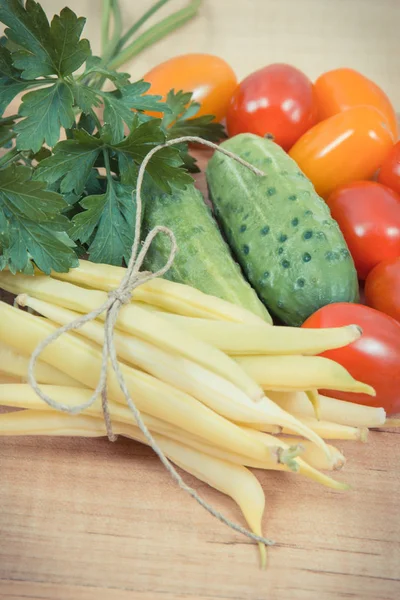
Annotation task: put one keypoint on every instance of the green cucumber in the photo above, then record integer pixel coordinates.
(281, 232)
(203, 260)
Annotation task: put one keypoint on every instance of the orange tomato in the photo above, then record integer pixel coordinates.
(341, 89)
(211, 80)
(347, 147)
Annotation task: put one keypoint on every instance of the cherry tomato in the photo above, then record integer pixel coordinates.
(368, 214)
(341, 89)
(347, 147)
(382, 287)
(390, 171)
(374, 358)
(211, 80)
(277, 100)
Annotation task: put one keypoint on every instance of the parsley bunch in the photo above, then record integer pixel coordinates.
(63, 199)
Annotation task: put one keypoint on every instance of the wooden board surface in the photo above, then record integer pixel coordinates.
(90, 520)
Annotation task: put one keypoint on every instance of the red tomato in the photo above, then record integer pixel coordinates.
(382, 287)
(211, 80)
(374, 358)
(347, 147)
(277, 100)
(341, 89)
(390, 171)
(368, 214)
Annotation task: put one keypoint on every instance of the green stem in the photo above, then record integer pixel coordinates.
(156, 33)
(8, 118)
(117, 30)
(9, 156)
(96, 120)
(25, 159)
(139, 23)
(6, 139)
(44, 80)
(105, 24)
(38, 82)
(289, 455)
(107, 166)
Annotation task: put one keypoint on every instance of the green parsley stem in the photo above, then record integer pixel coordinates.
(117, 30)
(105, 24)
(107, 165)
(41, 81)
(6, 138)
(9, 156)
(8, 118)
(153, 9)
(96, 120)
(156, 33)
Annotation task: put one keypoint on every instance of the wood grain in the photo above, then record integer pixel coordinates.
(90, 520)
(93, 520)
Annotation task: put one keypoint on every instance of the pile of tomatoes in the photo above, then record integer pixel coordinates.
(342, 131)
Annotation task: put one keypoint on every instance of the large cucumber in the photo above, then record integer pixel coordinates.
(204, 260)
(280, 230)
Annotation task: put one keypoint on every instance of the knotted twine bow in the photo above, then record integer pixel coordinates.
(115, 300)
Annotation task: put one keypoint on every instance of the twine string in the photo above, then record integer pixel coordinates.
(133, 278)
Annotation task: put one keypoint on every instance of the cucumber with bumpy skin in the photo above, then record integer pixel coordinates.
(203, 260)
(280, 230)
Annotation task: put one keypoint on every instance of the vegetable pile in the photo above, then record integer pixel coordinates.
(297, 232)
(254, 348)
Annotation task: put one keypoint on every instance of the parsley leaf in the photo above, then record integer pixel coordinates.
(31, 224)
(71, 162)
(106, 222)
(46, 110)
(110, 218)
(177, 103)
(120, 104)
(163, 167)
(70, 51)
(35, 50)
(181, 119)
(11, 83)
(29, 29)
(203, 127)
(85, 97)
(44, 49)
(94, 65)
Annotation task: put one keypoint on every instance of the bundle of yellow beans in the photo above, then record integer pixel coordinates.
(220, 389)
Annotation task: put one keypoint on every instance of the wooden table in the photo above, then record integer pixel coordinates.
(90, 520)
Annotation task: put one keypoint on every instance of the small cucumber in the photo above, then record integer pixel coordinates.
(203, 260)
(280, 230)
